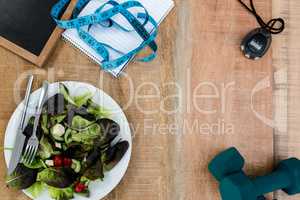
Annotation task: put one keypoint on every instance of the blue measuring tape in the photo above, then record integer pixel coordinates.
(103, 17)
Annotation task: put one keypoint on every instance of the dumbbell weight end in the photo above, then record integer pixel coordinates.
(225, 163)
(285, 177)
(227, 166)
(238, 186)
(277, 180)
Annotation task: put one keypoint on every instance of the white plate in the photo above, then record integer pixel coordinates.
(98, 189)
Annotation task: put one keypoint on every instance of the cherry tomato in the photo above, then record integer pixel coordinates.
(82, 186)
(58, 161)
(67, 162)
(79, 187)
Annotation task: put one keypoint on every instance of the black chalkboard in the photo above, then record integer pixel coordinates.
(27, 23)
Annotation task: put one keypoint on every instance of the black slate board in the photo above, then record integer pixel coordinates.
(27, 23)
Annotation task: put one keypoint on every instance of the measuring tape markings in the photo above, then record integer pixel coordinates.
(143, 33)
(101, 17)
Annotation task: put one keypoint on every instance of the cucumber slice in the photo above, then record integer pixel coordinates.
(76, 166)
(58, 130)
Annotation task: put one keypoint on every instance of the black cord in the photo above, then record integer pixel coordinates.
(270, 26)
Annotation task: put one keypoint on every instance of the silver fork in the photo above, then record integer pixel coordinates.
(33, 142)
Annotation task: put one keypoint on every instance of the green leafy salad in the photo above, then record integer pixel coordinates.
(77, 145)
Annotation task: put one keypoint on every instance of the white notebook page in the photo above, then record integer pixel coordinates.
(115, 37)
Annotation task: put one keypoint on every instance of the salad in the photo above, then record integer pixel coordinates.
(77, 145)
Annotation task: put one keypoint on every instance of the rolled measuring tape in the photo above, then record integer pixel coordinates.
(103, 16)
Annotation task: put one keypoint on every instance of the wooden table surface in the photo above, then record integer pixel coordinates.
(286, 62)
(193, 101)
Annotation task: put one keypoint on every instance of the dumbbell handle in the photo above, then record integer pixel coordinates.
(276, 180)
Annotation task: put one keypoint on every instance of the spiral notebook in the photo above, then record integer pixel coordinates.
(115, 37)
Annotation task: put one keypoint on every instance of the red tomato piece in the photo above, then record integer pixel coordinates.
(67, 162)
(58, 161)
(79, 187)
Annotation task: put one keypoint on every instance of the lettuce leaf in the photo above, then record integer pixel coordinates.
(64, 91)
(45, 149)
(22, 178)
(61, 194)
(89, 133)
(82, 99)
(95, 171)
(98, 111)
(56, 119)
(77, 100)
(113, 155)
(88, 136)
(79, 122)
(44, 123)
(36, 164)
(36, 189)
(57, 177)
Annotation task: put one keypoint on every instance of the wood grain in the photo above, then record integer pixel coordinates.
(200, 77)
(286, 61)
(215, 60)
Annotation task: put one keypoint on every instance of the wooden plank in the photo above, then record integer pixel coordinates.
(214, 30)
(280, 60)
(199, 45)
(286, 60)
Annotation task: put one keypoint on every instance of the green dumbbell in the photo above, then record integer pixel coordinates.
(227, 166)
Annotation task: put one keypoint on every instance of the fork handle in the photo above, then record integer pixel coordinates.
(40, 107)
